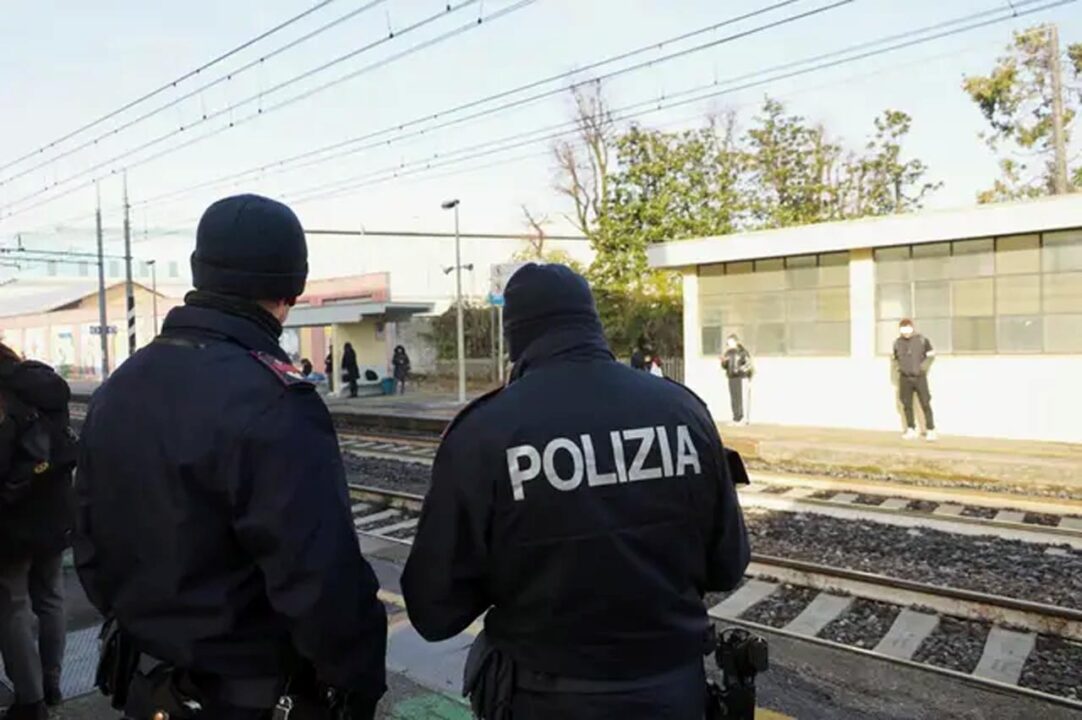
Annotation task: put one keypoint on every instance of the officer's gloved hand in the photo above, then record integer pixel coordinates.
(355, 706)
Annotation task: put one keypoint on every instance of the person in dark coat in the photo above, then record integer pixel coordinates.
(37, 454)
(736, 362)
(913, 354)
(638, 355)
(214, 520)
(351, 373)
(401, 364)
(584, 510)
(328, 367)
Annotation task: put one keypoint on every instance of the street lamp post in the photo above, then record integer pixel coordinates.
(453, 205)
(154, 292)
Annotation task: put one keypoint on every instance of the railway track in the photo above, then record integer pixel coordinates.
(965, 513)
(1015, 632)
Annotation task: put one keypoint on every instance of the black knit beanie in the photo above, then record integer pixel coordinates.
(252, 247)
(540, 298)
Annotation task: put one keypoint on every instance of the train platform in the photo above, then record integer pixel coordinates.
(989, 463)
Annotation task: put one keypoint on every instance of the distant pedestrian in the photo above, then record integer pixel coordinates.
(913, 355)
(328, 367)
(738, 368)
(350, 372)
(652, 364)
(638, 357)
(38, 451)
(401, 363)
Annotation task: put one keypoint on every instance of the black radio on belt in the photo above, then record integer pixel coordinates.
(740, 656)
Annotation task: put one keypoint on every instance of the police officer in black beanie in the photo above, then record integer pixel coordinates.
(214, 524)
(587, 508)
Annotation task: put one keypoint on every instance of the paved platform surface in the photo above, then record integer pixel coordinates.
(976, 461)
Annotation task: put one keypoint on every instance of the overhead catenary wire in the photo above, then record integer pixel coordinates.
(193, 93)
(427, 117)
(233, 123)
(397, 127)
(607, 76)
(350, 185)
(227, 110)
(169, 85)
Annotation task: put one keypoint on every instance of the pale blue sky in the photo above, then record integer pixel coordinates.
(63, 62)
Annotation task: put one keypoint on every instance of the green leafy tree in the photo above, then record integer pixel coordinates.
(1016, 99)
(880, 182)
(792, 170)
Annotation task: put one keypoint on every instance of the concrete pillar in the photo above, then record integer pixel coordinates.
(862, 304)
(692, 327)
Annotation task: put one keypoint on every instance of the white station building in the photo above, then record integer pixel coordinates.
(997, 289)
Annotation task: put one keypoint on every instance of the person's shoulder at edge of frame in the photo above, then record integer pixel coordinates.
(470, 410)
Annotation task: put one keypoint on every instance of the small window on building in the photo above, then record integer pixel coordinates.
(1013, 294)
(144, 270)
(114, 268)
(777, 306)
(84, 269)
(1062, 251)
(174, 269)
(50, 268)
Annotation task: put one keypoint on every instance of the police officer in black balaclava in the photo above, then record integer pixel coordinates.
(587, 508)
(214, 523)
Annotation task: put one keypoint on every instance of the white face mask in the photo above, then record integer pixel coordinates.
(907, 331)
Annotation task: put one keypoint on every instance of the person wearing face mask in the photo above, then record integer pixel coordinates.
(737, 365)
(913, 354)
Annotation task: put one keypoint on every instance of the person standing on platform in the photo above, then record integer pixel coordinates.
(351, 373)
(38, 451)
(912, 357)
(328, 368)
(736, 361)
(584, 510)
(214, 529)
(638, 357)
(401, 365)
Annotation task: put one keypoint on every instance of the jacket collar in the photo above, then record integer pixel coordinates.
(569, 342)
(200, 320)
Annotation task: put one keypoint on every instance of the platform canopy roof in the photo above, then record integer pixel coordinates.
(352, 311)
(1017, 218)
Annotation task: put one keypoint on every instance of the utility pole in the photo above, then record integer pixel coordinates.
(154, 290)
(1059, 177)
(453, 204)
(102, 327)
(129, 290)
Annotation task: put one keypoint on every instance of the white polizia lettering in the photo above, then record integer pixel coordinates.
(520, 474)
(569, 483)
(526, 462)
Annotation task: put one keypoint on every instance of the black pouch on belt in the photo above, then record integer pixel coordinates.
(117, 664)
(489, 680)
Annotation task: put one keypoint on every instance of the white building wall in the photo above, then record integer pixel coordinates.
(1032, 397)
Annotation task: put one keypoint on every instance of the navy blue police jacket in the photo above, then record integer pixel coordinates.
(214, 521)
(587, 507)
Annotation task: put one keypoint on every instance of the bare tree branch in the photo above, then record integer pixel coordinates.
(537, 238)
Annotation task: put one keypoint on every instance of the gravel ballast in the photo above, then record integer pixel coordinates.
(1054, 666)
(386, 474)
(863, 624)
(781, 607)
(954, 644)
(983, 564)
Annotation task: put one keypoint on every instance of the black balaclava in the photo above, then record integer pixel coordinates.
(540, 299)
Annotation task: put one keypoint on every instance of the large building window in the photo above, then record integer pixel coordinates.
(780, 306)
(1014, 294)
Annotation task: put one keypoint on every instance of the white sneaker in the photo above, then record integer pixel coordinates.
(930, 436)
(909, 434)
